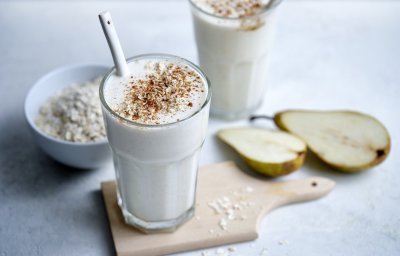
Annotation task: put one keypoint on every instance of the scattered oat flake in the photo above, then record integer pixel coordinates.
(263, 252)
(229, 208)
(282, 242)
(249, 189)
(223, 224)
(220, 251)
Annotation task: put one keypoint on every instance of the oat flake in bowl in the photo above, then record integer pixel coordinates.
(69, 128)
(74, 113)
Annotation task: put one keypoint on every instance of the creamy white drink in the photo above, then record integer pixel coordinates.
(156, 121)
(233, 40)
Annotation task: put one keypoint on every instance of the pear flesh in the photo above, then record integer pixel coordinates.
(272, 153)
(349, 141)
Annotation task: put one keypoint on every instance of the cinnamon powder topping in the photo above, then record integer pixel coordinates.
(165, 90)
(235, 8)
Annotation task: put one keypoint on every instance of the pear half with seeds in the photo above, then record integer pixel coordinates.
(349, 141)
(272, 153)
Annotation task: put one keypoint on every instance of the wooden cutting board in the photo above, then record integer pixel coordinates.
(230, 205)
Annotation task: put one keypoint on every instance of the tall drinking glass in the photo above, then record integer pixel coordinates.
(233, 52)
(156, 164)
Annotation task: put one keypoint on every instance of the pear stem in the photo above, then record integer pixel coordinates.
(252, 118)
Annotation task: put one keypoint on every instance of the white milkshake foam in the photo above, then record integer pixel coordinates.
(159, 92)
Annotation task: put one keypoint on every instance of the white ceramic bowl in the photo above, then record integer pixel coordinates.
(81, 155)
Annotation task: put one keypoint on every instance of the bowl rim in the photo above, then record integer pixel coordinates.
(55, 72)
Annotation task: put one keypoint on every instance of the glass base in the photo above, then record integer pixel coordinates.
(233, 115)
(166, 226)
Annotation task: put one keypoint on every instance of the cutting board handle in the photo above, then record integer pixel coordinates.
(299, 190)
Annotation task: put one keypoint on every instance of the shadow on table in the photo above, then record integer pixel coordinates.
(101, 221)
(28, 175)
(25, 169)
(316, 167)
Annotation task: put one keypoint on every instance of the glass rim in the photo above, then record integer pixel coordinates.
(267, 8)
(162, 56)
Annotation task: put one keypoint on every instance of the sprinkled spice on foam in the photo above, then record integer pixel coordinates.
(235, 8)
(167, 89)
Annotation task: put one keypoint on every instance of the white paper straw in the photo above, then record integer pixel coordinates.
(114, 44)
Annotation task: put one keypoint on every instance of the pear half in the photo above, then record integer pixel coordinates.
(272, 153)
(349, 141)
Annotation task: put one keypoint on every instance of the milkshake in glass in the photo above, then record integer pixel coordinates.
(233, 41)
(156, 121)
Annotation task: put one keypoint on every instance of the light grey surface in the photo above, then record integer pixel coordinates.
(331, 55)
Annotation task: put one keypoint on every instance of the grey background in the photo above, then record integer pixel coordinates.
(327, 55)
